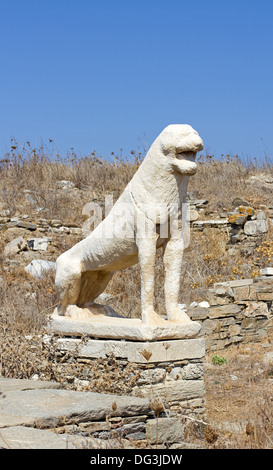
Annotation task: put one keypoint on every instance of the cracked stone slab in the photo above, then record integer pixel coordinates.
(46, 408)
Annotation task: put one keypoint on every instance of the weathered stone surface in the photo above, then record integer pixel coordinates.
(224, 311)
(38, 267)
(220, 296)
(267, 271)
(12, 233)
(255, 227)
(102, 326)
(158, 351)
(15, 246)
(8, 385)
(75, 231)
(209, 326)
(265, 296)
(162, 430)
(191, 371)
(192, 215)
(237, 219)
(48, 408)
(234, 330)
(151, 376)
(235, 283)
(38, 244)
(238, 201)
(22, 224)
(21, 437)
(201, 224)
(173, 391)
(198, 313)
(241, 293)
(268, 359)
(261, 215)
(254, 309)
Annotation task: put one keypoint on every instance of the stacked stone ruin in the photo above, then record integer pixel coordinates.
(237, 311)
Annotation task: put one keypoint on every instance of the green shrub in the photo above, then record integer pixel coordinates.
(218, 361)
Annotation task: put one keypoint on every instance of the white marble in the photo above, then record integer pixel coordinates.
(143, 219)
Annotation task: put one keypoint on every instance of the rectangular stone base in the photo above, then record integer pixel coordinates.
(107, 327)
(168, 372)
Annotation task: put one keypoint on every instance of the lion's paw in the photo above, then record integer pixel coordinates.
(177, 314)
(150, 317)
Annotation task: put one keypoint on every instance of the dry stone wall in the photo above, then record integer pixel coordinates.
(238, 311)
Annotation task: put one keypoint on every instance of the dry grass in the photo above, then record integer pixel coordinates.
(239, 398)
(221, 180)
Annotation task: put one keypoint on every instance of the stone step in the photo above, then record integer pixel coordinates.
(49, 408)
(8, 385)
(22, 437)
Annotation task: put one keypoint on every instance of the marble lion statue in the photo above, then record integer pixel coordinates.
(131, 232)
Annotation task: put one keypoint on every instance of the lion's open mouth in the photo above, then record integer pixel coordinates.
(185, 163)
(188, 156)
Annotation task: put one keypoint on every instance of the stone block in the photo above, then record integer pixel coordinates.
(234, 283)
(172, 391)
(255, 227)
(15, 246)
(220, 296)
(164, 430)
(117, 327)
(224, 311)
(265, 296)
(268, 359)
(38, 267)
(241, 293)
(7, 384)
(198, 313)
(237, 219)
(234, 330)
(190, 371)
(264, 291)
(209, 326)
(22, 224)
(38, 244)
(75, 231)
(267, 271)
(136, 351)
(255, 309)
(47, 408)
(22, 437)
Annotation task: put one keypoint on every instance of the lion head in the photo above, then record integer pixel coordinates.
(180, 143)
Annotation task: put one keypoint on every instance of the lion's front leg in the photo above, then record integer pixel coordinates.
(173, 255)
(146, 256)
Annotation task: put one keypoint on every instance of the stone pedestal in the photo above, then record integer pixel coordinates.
(110, 325)
(160, 364)
(168, 371)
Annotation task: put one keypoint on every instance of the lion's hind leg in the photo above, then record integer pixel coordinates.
(92, 285)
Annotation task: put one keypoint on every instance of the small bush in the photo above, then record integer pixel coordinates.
(218, 361)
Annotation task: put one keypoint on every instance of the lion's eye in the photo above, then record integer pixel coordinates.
(188, 153)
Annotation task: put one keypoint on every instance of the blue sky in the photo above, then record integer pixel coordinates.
(105, 75)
